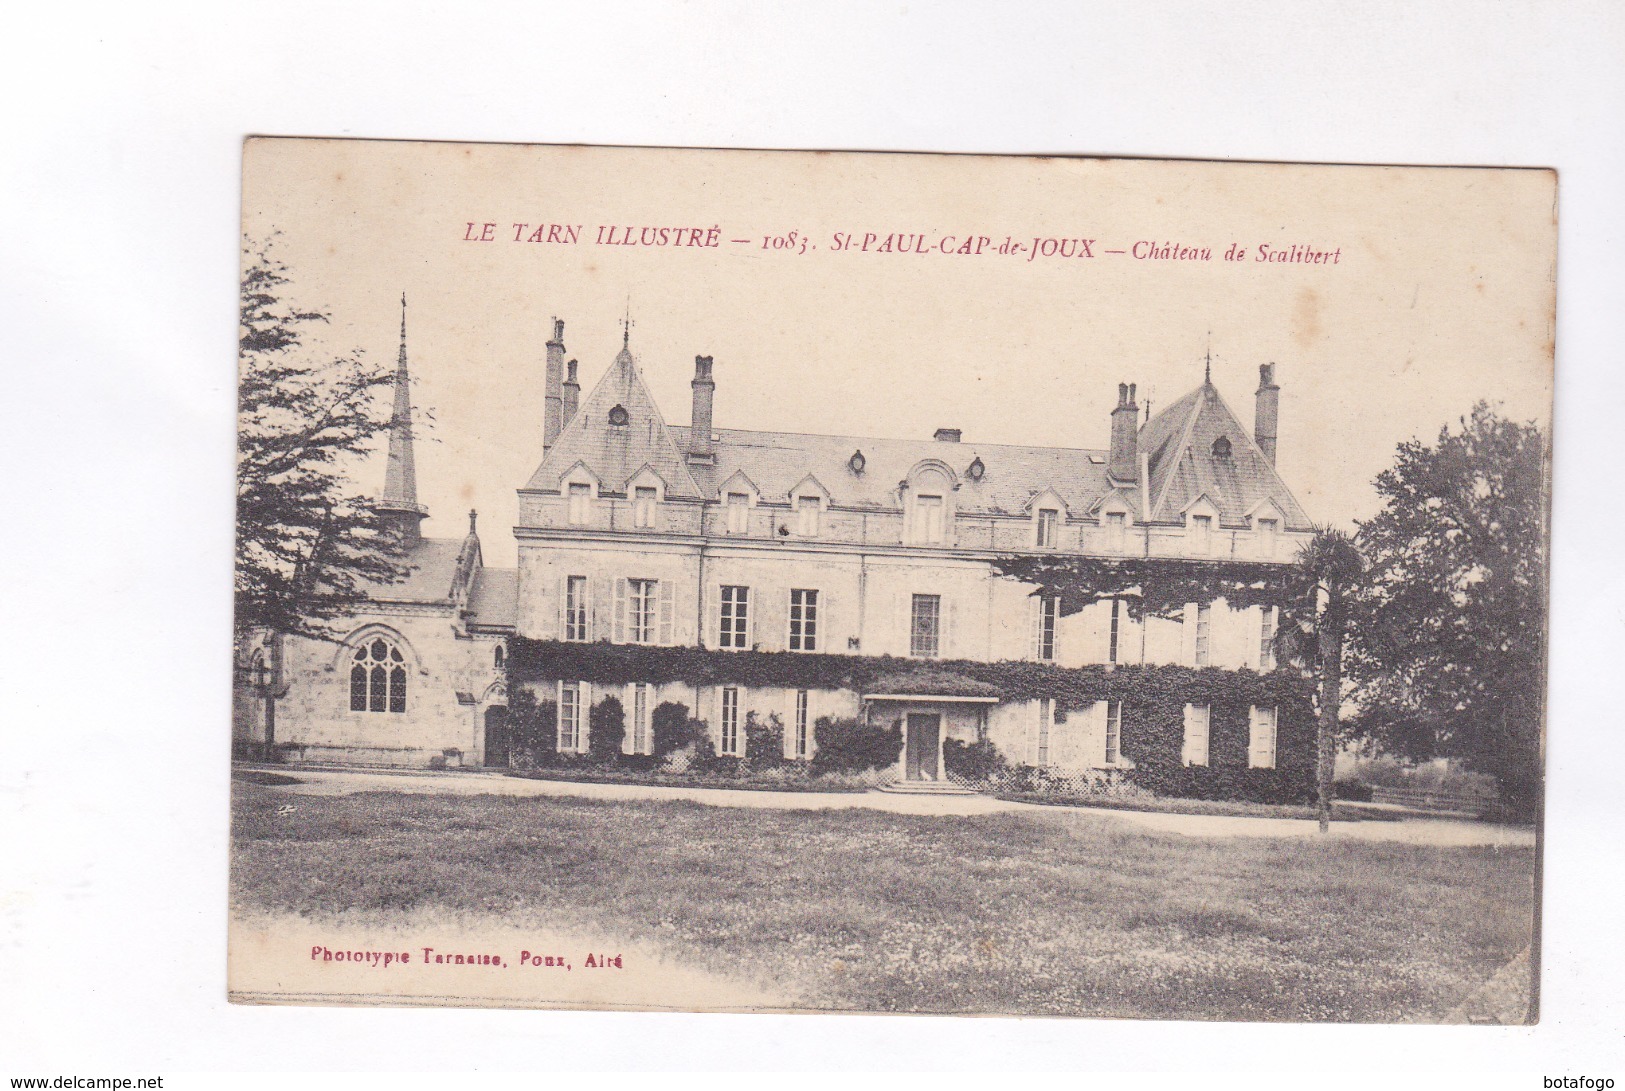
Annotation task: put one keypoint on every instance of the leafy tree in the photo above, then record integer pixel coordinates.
(1448, 645)
(308, 544)
(1328, 568)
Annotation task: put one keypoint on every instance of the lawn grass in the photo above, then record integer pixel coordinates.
(1051, 912)
(1218, 807)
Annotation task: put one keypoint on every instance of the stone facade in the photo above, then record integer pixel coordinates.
(635, 532)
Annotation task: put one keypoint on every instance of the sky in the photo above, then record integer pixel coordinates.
(1441, 294)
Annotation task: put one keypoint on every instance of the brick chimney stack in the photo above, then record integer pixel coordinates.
(699, 432)
(553, 390)
(572, 394)
(1266, 411)
(1123, 464)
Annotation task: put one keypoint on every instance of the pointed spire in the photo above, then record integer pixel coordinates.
(623, 359)
(473, 523)
(400, 475)
(1207, 374)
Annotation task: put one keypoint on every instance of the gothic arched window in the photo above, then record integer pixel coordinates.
(500, 658)
(378, 678)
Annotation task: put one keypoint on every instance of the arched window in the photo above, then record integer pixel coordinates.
(500, 658)
(1221, 447)
(378, 678)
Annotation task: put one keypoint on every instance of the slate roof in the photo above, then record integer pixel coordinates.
(433, 574)
(1179, 445)
(617, 452)
(777, 462)
(494, 601)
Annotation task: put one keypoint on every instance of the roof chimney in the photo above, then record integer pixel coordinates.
(1123, 463)
(1266, 411)
(947, 435)
(553, 390)
(572, 395)
(699, 430)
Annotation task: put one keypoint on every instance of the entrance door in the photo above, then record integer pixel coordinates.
(496, 736)
(922, 746)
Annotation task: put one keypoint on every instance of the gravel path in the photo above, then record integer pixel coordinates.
(1448, 833)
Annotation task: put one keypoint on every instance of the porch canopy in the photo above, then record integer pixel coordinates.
(929, 685)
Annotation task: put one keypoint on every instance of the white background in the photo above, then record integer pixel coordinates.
(118, 274)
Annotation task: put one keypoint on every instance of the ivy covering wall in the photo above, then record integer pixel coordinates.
(1153, 701)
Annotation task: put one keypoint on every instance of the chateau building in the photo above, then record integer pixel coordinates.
(632, 531)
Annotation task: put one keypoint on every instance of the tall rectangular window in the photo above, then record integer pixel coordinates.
(1114, 731)
(801, 731)
(1116, 531)
(643, 506)
(733, 630)
(1114, 635)
(1046, 722)
(575, 608)
(1048, 523)
(1197, 718)
(1202, 535)
(642, 703)
(738, 512)
(641, 606)
(1268, 619)
(1049, 615)
(1266, 538)
(580, 504)
(807, 509)
(1261, 738)
(1204, 635)
(928, 521)
(925, 626)
(803, 620)
(730, 723)
(571, 715)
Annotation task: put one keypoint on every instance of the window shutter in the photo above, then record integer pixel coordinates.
(547, 612)
(902, 606)
(1187, 645)
(1254, 630)
(1035, 622)
(621, 591)
(667, 590)
(824, 634)
(558, 715)
(629, 703)
(600, 623)
(711, 616)
(1100, 631)
(1097, 732)
(1260, 747)
(1129, 641)
(1190, 734)
(946, 634)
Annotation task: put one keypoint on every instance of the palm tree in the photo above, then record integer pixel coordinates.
(1328, 566)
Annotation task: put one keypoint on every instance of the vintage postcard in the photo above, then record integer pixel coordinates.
(771, 581)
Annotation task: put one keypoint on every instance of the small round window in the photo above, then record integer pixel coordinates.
(618, 415)
(1221, 448)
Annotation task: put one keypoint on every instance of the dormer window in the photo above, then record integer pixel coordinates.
(1221, 447)
(1049, 522)
(738, 512)
(618, 416)
(807, 511)
(1202, 535)
(580, 503)
(1116, 531)
(643, 505)
(928, 521)
(1267, 535)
